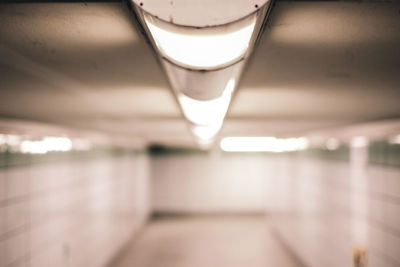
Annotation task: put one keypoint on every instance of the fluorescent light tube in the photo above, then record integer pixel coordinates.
(202, 48)
(205, 135)
(207, 132)
(210, 112)
(263, 144)
(48, 144)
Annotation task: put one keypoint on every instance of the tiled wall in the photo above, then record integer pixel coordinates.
(322, 209)
(71, 213)
(206, 183)
(337, 207)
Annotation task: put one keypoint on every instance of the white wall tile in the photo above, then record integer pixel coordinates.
(16, 182)
(15, 248)
(15, 216)
(2, 185)
(3, 225)
(322, 208)
(74, 204)
(2, 253)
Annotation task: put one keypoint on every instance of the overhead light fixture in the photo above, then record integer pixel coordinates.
(202, 52)
(208, 112)
(47, 144)
(204, 48)
(206, 133)
(263, 144)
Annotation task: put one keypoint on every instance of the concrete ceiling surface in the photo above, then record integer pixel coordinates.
(85, 65)
(327, 60)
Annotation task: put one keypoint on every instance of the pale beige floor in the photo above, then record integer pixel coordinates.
(221, 241)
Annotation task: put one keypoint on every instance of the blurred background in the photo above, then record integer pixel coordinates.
(98, 165)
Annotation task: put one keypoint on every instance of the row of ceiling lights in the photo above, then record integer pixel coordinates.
(26, 144)
(274, 144)
(203, 65)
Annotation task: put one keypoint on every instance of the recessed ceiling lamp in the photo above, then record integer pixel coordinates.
(202, 46)
(263, 144)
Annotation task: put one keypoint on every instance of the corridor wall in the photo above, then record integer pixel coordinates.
(71, 212)
(339, 209)
(206, 183)
(325, 207)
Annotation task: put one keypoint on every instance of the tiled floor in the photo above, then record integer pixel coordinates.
(204, 241)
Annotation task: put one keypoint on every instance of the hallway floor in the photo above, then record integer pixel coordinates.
(206, 241)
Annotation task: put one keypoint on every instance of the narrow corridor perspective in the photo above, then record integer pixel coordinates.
(213, 241)
(199, 133)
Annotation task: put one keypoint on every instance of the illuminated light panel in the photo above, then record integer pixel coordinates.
(210, 112)
(207, 132)
(201, 48)
(22, 143)
(48, 144)
(13, 140)
(263, 144)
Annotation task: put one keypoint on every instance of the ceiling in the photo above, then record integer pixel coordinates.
(319, 65)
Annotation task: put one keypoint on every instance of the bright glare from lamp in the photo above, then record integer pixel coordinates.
(206, 132)
(263, 144)
(48, 144)
(2, 139)
(201, 48)
(210, 112)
